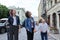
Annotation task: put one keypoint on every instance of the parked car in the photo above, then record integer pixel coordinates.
(3, 24)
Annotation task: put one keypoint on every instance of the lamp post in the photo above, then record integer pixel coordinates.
(44, 14)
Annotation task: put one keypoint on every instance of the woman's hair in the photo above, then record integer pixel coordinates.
(37, 23)
(27, 14)
(40, 21)
(11, 12)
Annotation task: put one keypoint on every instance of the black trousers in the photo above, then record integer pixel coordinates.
(13, 33)
(44, 36)
(30, 35)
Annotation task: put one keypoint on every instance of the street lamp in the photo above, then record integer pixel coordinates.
(44, 15)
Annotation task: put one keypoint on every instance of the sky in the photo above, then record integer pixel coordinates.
(30, 5)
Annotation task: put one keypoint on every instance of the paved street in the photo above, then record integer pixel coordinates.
(22, 35)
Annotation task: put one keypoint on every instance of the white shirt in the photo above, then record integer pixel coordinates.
(14, 22)
(36, 27)
(43, 27)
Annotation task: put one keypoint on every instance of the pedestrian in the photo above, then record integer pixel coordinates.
(36, 26)
(44, 29)
(36, 32)
(29, 25)
(14, 24)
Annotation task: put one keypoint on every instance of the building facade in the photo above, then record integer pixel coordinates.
(53, 13)
(20, 12)
(40, 10)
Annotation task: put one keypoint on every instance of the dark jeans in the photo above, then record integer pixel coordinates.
(44, 36)
(30, 35)
(12, 33)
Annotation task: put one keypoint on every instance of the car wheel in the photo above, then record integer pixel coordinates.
(3, 30)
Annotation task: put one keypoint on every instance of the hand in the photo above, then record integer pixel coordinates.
(48, 34)
(34, 30)
(28, 29)
(19, 26)
(19, 30)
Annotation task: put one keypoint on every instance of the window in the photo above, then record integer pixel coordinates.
(51, 3)
(55, 1)
(18, 12)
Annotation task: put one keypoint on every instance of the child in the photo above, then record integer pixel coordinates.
(44, 30)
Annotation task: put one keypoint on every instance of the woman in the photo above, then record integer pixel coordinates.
(29, 25)
(13, 27)
(36, 27)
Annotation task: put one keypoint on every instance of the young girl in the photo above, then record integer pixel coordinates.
(36, 34)
(44, 29)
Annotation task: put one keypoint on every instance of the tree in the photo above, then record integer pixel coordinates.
(4, 11)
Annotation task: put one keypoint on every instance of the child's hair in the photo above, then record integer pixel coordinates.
(40, 21)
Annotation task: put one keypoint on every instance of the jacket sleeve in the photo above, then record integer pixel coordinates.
(8, 22)
(26, 25)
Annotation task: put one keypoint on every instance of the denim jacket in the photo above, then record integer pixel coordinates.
(28, 24)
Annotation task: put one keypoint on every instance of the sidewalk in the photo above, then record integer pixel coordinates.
(55, 36)
(23, 36)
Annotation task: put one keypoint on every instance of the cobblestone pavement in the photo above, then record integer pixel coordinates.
(22, 35)
(57, 36)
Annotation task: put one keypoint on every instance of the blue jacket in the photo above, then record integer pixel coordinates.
(28, 24)
(10, 20)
